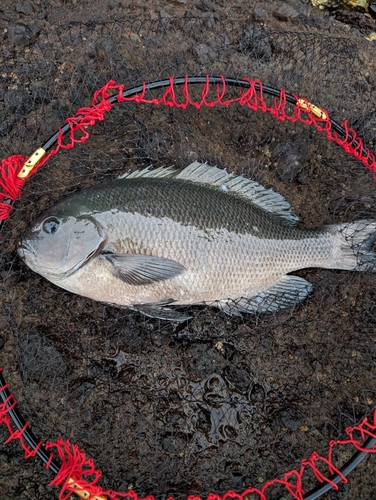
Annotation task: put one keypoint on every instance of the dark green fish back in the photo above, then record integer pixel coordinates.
(190, 203)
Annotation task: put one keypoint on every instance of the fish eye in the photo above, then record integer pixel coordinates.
(51, 225)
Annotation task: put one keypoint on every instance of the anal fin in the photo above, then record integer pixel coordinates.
(288, 292)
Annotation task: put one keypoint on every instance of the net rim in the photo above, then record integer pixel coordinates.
(103, 101)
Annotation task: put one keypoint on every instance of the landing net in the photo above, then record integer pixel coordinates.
(224, 402)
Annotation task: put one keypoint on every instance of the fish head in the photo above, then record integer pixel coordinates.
(57, 246)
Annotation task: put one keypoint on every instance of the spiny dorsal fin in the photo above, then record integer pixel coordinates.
(150, 172)
(232, 183)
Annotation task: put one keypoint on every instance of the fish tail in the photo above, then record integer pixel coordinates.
(355, 245)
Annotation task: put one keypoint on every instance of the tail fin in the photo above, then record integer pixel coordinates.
(355, 245)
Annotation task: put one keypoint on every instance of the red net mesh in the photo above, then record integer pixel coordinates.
(252, 98)
(77, 467)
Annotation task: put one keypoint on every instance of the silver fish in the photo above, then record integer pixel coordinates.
(200, 235)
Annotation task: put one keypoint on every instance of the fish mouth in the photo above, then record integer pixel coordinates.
(23, 249)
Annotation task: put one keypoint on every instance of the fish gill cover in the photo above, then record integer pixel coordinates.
(222, 402)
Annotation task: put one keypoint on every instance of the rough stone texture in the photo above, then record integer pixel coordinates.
(20, 35)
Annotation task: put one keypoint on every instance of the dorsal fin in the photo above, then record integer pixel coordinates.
(205, 174)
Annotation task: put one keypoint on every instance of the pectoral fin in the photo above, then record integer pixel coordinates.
(138, 269)
(158, 310)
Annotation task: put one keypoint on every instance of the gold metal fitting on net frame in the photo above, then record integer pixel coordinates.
(315, 110)
(82, 493)
(31, 163)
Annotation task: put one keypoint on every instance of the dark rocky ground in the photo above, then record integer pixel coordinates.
(220, 403)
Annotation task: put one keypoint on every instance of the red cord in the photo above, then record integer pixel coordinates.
(11, 185)
(74, 462)
(82, 470)
(5, 407)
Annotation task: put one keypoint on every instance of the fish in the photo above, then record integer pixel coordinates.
(161, 237)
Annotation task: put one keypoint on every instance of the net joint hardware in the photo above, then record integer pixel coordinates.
(315, 110)
(31, 163)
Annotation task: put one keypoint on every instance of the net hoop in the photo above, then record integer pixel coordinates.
(76, 473)
(15, 170)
